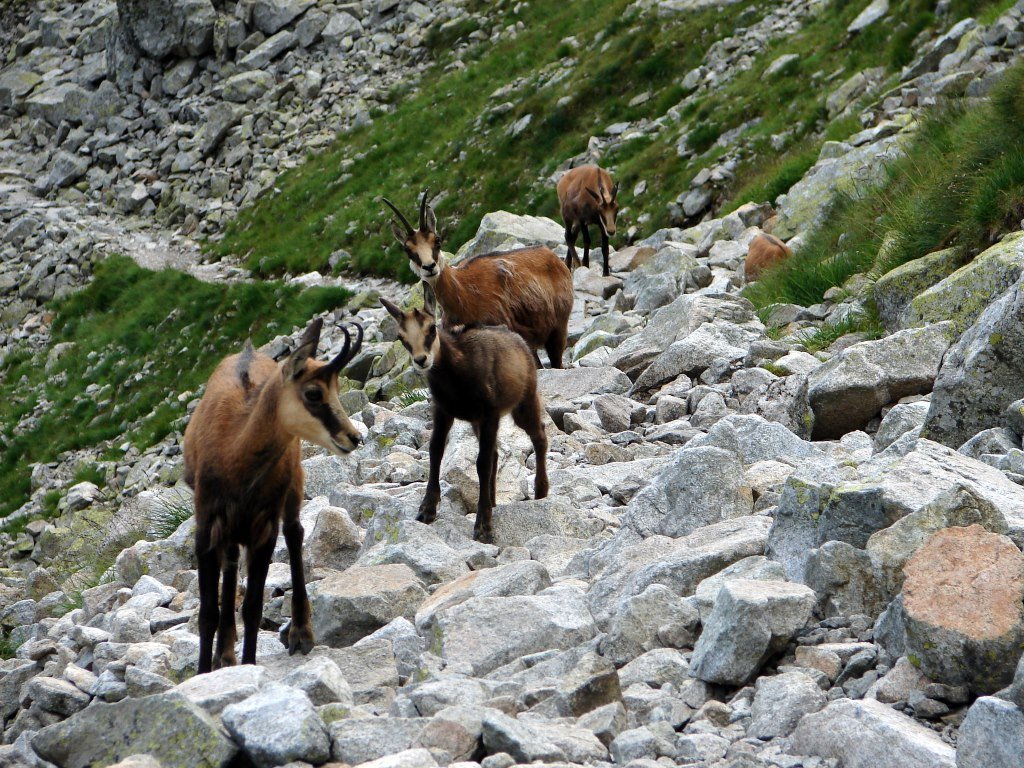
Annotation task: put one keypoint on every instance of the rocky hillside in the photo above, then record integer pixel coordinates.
(779, 535)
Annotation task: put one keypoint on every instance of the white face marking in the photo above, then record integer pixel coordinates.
(296, 418)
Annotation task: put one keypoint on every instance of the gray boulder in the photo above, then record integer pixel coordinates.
(751, 621)
(901, 418)
(980, 375)
(500, 229)
(350, 605)
(780, 702)
(698, 487)
(851, 388)
(484, 633)
(166, 726)
(869, 734)
(270, 16)
(159, 28)
(278, 725)
(359, 740)
(517, 522)
(756, 568)
(218, 689)
(322, 680)
(991, 736)
(643, 620)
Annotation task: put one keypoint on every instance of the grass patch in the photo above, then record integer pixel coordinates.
(139, 338)
(961, 184)
(826, 334)
(170, 513)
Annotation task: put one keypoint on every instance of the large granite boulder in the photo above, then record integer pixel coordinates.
(159, 28)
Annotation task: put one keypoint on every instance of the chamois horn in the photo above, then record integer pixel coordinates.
(401, 218)
(348, 351)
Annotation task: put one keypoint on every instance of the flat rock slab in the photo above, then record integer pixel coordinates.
(963, 605)
(166, 726)
(278, 725)
(751, 620)
(869, 734)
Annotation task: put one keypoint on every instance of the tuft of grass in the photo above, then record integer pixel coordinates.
(140, 337)
(961, 183)
(826, 334)
(91, 472)
(170, 513)
(412, 396)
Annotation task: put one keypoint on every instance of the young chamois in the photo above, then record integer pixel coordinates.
(763, 252)
(587, 196)
(477, 374)
(242, 461)
(528, 290)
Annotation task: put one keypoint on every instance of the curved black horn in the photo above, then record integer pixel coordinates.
(423, 211)
(398, 213)
(348, 351)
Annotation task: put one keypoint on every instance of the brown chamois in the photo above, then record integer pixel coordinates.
(587, 196)
(764, 251)
(242, 460)
(477, 374)
(527, 290)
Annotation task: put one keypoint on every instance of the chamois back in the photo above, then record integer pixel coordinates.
(764, 252)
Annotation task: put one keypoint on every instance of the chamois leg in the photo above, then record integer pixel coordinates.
(586, 245)
(226, 632)
(604, 250)
(571, 258)
(300, 636)
(208, 560)
(527, 416)
(555, 346)
(485, 461)
(252, 606)
(494, 476)
(438, 438)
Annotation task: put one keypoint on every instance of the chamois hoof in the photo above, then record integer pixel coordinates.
(300, 639)
(426, 517)
(226, 659)
(484, 537)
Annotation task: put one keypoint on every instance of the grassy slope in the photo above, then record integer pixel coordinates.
(443, 136)
(960, 184)
(141, 338)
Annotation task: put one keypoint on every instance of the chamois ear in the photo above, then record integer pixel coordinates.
(296, 362)
(396, 230)
(615, 190)
(429, 300)
(431, 220)
(393, 310)
(594, 194)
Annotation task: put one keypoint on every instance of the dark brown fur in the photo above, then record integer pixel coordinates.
(587, 196)
(476, 374)
(764, 252)
(242, 458)
(527, 290)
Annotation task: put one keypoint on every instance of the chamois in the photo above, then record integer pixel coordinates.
(587, 196)
(763, 252)
(528, 290)
(242, 460)
(476, 374)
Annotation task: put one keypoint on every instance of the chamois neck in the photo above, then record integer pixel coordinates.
(262, 437)
(448, 354)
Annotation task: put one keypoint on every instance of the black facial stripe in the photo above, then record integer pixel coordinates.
(323, 413)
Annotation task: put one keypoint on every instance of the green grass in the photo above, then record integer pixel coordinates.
(141, 338)
(170, 513)
(442, 133)
(961, 184)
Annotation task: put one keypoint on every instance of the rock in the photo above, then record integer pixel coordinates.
(220, 118)
(751, 620)
(781, 701)
(322, 681)
(898, 683)
(605, 722)
(991, 736)
(524, 743)
(843, 578)
(485, 632)
(517, 522)
(159, 28)
(278, 725)
(639, 623)
(963, 605)
(166, 726)
(526, 577)
(869, 734)
(839, 171)
(979, 377)
(416, 545)
(897, 288)
(410, 758)
(15, 85)
(573, 383)
(340, 26)
(357, 741)
(246, 86)
(755, 568)
(264, 53)
(851, 388)
(455, 730)
(270, 16)
(876, 10)
(58, 103)
(901, 418)
(591, 683)
(350, 605)
(334, 541)
(66, 170)
(967, 292)
(698, 487)
(57, 696)
(499, 228)
(695, 353)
